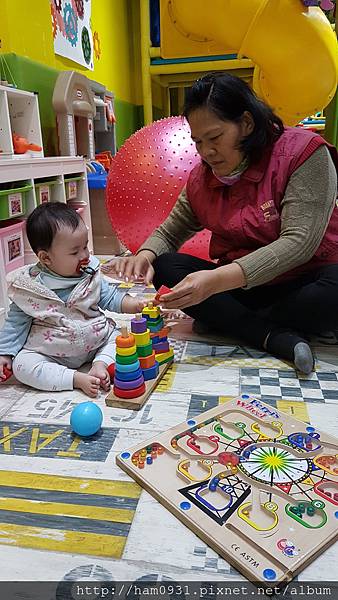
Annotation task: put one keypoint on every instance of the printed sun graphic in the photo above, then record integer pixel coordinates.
(274, 465)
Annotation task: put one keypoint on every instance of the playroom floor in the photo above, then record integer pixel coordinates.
(67, 512)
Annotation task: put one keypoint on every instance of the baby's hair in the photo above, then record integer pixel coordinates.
(44, 222)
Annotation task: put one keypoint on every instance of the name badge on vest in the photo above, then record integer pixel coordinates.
(270, 212)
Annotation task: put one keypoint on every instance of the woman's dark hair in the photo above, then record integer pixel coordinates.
(45, 220)
(228, 97)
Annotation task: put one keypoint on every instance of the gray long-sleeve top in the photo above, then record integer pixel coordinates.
(306, 208)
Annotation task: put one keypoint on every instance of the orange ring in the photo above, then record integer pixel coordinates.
(125, 342)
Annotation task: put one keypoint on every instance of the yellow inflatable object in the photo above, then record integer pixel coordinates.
(293, 47)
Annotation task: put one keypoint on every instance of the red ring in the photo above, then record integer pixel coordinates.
(130, 393)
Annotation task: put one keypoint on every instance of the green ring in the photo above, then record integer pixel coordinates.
(126, 360)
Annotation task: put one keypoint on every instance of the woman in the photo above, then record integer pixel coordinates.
(268, 195)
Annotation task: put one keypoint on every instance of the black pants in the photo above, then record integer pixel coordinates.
(308, 304)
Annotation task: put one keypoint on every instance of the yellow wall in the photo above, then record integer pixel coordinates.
(25, 29)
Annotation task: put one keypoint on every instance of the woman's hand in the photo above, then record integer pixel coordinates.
(193, 289)
(130, 268)
(197, 287)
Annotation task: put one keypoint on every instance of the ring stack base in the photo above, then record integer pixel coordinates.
(136, 403)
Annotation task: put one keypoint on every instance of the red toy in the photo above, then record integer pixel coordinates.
(7, 374)
(162, 290)
(145, 178)
(111, 371)
(21, 145)
(228, 458)
(105, 158)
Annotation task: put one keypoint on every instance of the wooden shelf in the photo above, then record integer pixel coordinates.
(33, 170)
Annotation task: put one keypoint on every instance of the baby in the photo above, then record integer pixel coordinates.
(56, 321)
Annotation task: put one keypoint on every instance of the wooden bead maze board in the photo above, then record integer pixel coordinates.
(258, 486)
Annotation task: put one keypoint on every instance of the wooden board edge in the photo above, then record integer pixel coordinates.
(136, 403)
(202, 535)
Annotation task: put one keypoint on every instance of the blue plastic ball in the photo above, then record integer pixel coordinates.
(86, 419)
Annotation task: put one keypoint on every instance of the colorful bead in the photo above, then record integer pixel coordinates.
(151, 372)
(142, 339)
(145, 350)
(139, 324)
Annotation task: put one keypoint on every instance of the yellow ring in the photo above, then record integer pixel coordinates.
(126, 351)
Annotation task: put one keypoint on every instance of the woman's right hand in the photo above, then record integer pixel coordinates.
(130, 268)
(5, 366)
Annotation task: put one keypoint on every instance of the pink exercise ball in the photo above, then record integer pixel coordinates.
(145, 179)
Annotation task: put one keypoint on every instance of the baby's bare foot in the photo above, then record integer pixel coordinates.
(87, 383)
(99, 369)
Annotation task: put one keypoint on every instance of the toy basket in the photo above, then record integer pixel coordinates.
(44, 190)
(13, 200)
(72, 187)
(11, 240)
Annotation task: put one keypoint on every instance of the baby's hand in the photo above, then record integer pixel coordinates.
(5, 367)
(132, 305)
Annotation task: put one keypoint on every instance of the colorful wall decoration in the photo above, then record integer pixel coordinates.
(71, 25)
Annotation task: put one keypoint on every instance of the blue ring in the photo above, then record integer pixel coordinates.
(128, 368)
(129, 376)
(125, 455)
(191, 422)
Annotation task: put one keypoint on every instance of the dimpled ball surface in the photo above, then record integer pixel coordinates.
(145, 178)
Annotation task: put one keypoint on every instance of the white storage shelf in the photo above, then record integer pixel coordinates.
(19, 114)
(38, 172)
(3, 292)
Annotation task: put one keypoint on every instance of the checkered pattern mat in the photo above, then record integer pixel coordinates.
(270, 384)
(179, 347)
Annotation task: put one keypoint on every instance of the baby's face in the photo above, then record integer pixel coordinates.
(68, 249)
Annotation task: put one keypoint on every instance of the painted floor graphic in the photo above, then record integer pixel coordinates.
(63, 501)
(82, 516)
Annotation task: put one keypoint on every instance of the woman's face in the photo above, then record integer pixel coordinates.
(217, 141)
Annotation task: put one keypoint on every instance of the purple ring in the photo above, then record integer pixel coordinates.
(129, 385)
(139, 325)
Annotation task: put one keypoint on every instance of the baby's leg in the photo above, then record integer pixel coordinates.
(104, 357)
(45, 373)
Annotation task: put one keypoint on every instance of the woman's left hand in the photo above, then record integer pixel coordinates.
(193, 289)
